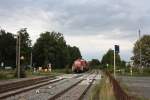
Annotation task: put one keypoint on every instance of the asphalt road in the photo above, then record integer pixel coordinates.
(139, 86)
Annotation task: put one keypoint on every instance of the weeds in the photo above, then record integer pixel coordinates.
(103, 90)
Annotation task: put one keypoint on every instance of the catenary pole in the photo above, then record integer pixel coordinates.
(18, 56)
(140, 49)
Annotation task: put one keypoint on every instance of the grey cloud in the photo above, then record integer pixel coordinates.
(85, 17)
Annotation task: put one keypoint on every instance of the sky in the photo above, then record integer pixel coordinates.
(92, 25)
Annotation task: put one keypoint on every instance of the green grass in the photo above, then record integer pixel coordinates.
(6, 74)
(96, 91)
(135, 72)
(9, 74)
(54, 72)
(103, 90)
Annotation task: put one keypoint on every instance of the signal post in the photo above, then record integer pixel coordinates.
(116, 50)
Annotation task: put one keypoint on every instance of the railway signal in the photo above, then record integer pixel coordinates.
(116, 50)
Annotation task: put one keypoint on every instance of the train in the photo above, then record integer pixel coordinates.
(80, 65)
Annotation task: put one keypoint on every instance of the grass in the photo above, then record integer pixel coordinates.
(54, 72)
(103, 90)
(9, 74)
(96, 91)
(125, 71)
(136, 72)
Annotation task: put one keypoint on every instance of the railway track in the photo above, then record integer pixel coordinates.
(18, 87)
(15, 88)
(51, 89)
(23, 83)
(89, 92)
(77, 90)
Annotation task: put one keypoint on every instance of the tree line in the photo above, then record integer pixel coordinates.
(142, 48)
(50, 47)
(108, 59)
(140, 58)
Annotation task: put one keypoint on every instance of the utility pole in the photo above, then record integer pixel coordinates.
(18, 58)
(18, 40)
(16, 52)
(31, 58)
(140, 44)
(140, 48)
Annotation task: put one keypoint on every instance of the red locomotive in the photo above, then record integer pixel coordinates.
(80, 65)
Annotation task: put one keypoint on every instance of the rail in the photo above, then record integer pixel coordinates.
(27, 88)
(85, 91)
(69, 88)
(20, 84)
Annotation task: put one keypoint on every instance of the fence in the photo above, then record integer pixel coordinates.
(118, 91)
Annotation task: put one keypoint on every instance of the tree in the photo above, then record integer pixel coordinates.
(123, 64)
(51, 47)
(108, 58)
(25, 50)
(25, 45)
(94, 62)
(73, 53)
(144, 43)
(7, 48)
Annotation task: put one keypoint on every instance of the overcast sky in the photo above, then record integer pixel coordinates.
(92, 25)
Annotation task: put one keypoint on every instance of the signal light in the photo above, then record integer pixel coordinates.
(117, 48)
